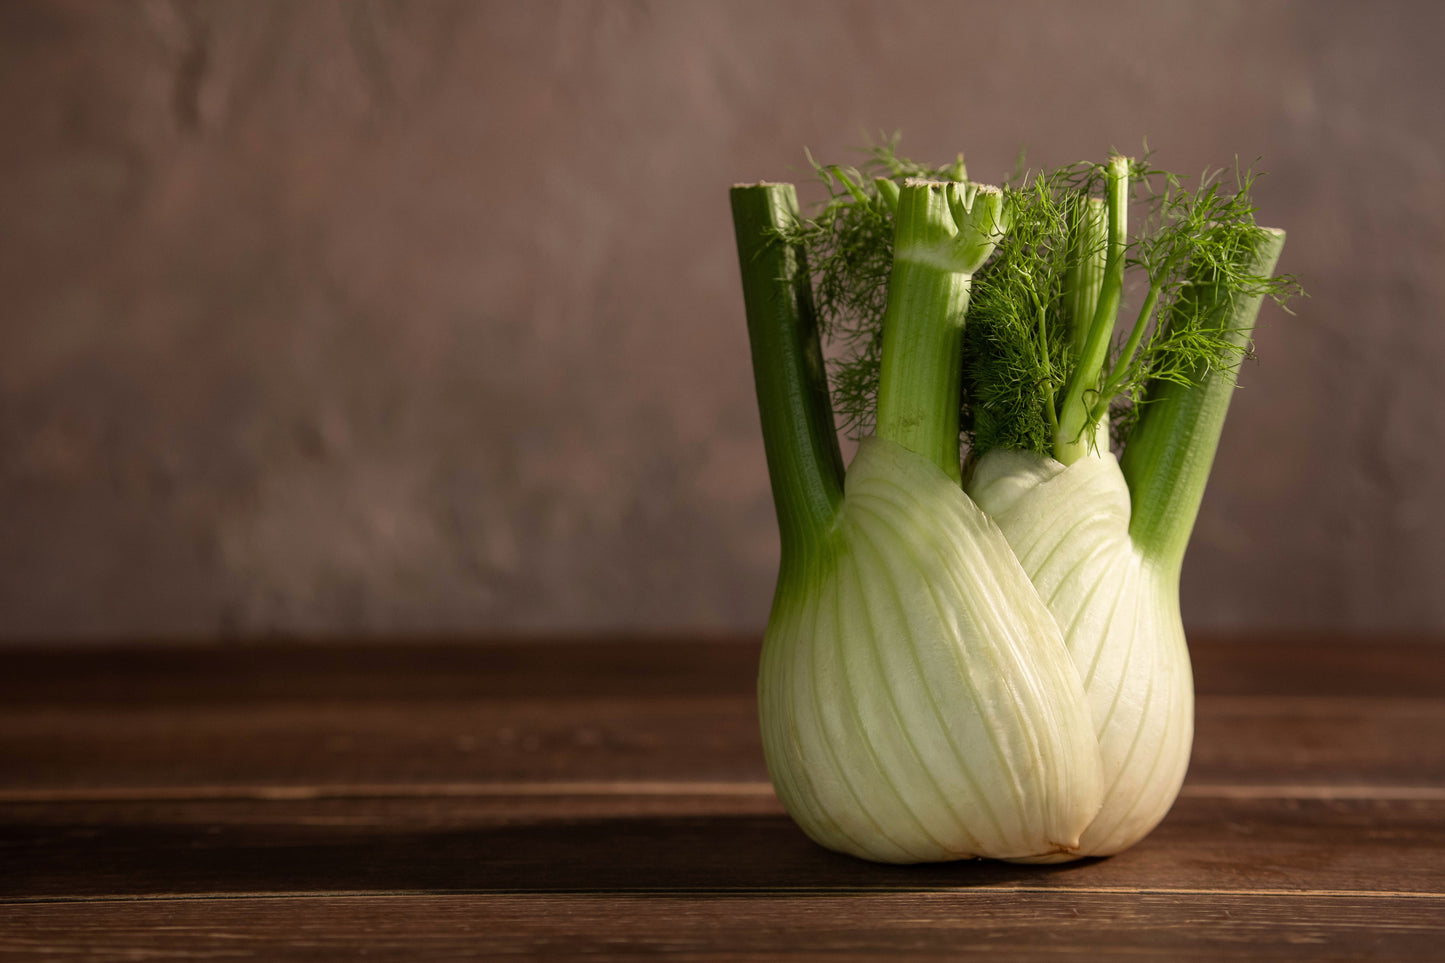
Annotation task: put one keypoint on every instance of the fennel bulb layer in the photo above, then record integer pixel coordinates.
(1119, 612)
(916, 698)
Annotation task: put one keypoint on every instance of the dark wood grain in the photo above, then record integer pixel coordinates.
(665, 843)
(336, 743)
(252, 672)
(336, 716)
(1004, 924)
(329, 741)
(441, 801)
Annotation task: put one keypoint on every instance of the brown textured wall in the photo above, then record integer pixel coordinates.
(326, 317)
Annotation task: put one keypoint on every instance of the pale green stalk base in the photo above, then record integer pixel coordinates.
(1170, 452)
(918, 389)
(938, 244)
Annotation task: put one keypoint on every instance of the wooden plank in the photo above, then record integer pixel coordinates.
(337, 743)
(316, 742)
(665, 843)
(259, 673)
(451, 801)
(269, 718)
(1319, 739)
(1319, 665)
(252, 673)
(1018, 925)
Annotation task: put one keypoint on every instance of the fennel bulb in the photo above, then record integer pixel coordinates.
(917, 703)
(1119, 612)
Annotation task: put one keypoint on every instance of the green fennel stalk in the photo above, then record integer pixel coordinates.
(804, 462)
(1078, 411)
(1169, 451)
(944, 232)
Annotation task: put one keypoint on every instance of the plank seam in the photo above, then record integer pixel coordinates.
(661, 788)
(935, 892)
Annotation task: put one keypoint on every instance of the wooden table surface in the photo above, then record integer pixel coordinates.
(427, 801)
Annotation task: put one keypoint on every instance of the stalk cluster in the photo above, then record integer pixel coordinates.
(983, 655)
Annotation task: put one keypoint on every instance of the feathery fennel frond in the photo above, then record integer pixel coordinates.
(849, 248)
(1021, 338)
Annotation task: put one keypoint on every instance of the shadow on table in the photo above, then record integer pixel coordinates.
(698, 854)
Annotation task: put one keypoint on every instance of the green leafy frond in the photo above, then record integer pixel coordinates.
(1190, 239)
(1017, 350)
(849, 246)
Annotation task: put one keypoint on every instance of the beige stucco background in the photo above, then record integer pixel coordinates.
(329, 318)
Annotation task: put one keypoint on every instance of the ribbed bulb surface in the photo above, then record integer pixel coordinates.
(1119, 612)
(916, 697)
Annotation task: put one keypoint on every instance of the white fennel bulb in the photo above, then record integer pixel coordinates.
(917, 701)
(1119, 612)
